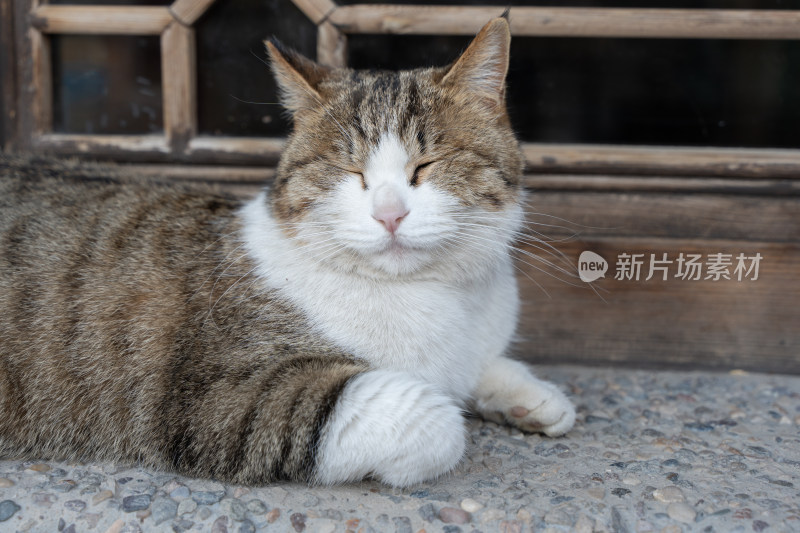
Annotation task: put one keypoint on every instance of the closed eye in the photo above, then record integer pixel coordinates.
(356, 172)
(419, 173)
(361, 177)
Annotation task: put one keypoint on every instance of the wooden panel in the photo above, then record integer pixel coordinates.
(8, 77)
(179, 78)
(668, 184)
(775, 166)
(25, 95)
(331, 46)
(107, 20)
(42, 86)
(672, 215)
(236, 150)
(256, 177)
(155, 148)
(656, 323)
(663, 160)
(588, 159)
(144, 146)
(675, 323)
(316, 10)
(188, 11)
(572, 22)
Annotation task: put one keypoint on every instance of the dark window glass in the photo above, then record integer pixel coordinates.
(236, 92)
(106, 84)
(630, 91)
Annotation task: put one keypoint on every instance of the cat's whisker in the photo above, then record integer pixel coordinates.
(305, 236)
(528, 254)
(252, 103)
(219, 265)
(223, 236)
(530, 212)
(317, 248)
(557, 254)
(525, 224)
(548, 249)
(515, 266)
(222, 274)
(234, 284)
(461, 223)
(331, 252)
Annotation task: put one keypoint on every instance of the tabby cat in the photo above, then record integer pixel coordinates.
(331, 329)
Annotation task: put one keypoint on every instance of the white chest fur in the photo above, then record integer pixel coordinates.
(441, 332)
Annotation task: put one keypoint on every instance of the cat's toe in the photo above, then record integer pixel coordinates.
(554, 418)
(538, 409)
(552, 414)
(393, 427)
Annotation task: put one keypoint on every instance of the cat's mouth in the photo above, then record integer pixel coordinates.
(396, 246)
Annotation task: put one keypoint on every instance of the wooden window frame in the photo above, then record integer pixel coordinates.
(31, 127)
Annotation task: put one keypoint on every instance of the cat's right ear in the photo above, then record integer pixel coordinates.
(298, 77)
(481, 70)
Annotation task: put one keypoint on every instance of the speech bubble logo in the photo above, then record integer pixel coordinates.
(591, 266)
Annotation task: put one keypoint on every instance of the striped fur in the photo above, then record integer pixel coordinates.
(132, 329)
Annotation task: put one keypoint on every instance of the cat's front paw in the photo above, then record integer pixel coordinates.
(393, 427)
(541, 408)
(510, 394)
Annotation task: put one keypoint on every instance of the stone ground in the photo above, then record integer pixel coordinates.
(652, 451)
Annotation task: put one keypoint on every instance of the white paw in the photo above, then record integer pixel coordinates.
(546, 410)
(510, 394)
(394, 427)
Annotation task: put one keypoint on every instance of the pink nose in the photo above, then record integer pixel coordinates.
(390, 218)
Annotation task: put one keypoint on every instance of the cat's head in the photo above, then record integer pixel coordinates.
(401, 173)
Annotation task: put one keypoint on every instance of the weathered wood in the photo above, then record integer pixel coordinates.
(25, 92)
(560, 215)
(663, 184)
(188, 11)
(236, 176)
(155, 148)
(8, 77)
(107, 20)
(777, 167)
(331, 46)
(42, 82)
(236, 150)
(617, 159)
(316, 10)
(571, 22)
(179, 75)
(668, 324)
(144, 146)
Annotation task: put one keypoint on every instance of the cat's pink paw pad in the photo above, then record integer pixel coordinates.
(554, 416)
(539, 408)
(518, 411)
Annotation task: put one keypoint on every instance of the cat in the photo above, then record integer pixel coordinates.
(332, 329)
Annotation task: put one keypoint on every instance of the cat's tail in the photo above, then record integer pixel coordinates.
(320, 419)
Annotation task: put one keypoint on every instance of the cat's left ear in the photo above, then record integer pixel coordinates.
(298, 77)
(481, 69)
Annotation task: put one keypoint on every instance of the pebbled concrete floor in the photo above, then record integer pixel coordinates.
(651, 451)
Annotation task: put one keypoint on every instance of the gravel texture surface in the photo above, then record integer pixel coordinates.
(651, 451)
